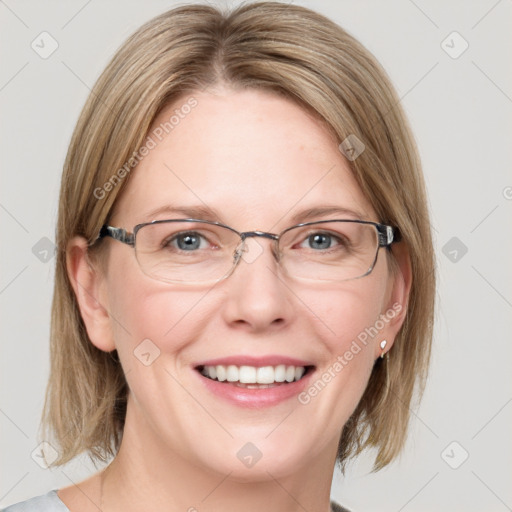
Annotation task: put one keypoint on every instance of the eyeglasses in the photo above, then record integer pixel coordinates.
(192, 251)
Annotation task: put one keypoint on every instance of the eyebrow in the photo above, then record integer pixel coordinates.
(203, 212)
(314, 213)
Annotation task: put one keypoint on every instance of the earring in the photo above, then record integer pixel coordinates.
(383, 344)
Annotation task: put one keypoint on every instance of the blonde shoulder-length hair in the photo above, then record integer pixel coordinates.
(286, 49)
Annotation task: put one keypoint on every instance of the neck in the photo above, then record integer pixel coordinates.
(144, 476)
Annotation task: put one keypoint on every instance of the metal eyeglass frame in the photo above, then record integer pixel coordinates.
(387, 235)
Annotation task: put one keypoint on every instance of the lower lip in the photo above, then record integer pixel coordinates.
(255, 398)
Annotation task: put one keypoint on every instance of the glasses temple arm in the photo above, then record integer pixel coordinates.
(388, 235)
(117, 234)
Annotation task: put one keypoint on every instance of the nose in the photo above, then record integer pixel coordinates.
(257, 297)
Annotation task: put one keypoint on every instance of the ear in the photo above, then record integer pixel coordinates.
(89, 286)
(399, 287)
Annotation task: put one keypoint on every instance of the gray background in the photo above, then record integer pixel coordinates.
(460, 109)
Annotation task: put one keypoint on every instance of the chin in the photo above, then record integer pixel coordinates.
(261, 460)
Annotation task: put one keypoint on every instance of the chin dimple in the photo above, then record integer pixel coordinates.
(252, 374)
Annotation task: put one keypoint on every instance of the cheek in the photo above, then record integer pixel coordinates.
(346, 313)
(167, 318)
(347, 318)
(149, 317)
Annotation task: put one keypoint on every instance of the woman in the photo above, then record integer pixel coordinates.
(244, 285)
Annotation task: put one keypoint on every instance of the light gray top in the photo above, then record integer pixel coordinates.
(50, 502)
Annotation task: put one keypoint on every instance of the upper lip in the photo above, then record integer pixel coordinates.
(241, 360)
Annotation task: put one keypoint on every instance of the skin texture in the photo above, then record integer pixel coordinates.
(256, 159)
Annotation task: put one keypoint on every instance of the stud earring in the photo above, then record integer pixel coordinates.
(383, 344)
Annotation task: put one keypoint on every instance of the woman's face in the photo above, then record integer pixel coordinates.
(255, 161)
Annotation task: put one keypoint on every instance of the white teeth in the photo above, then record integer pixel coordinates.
(247, 374)
(232, 373)
(280, 373)
(221, 372)
(265, 375)
(299, 372)
(253, 374)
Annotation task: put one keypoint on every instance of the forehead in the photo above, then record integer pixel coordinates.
(252, 158)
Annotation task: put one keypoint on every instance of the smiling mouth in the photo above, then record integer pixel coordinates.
(253, 377)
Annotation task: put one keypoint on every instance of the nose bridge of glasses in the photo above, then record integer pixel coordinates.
(263, 234)
(250, 251)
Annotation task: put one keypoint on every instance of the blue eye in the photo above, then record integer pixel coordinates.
(320, 241)
(188, 241)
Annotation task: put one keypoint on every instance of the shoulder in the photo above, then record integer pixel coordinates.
(48, 502)
(338, 508)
